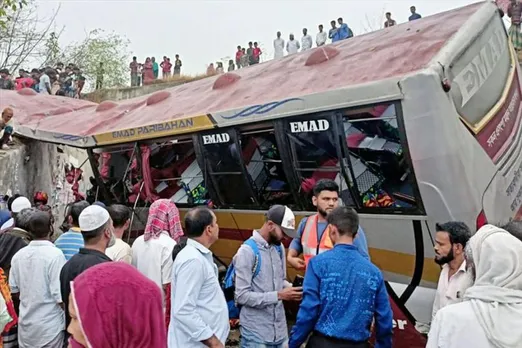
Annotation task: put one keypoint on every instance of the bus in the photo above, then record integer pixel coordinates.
(418, 123)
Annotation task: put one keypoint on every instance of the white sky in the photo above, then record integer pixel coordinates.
(204, 31)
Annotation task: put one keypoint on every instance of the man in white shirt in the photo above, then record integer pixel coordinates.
(120, 251)
(45, 83)
(199, 309)
(306, 41)
(35, 279)
(279, 46)
(321, 37)
(450, 241)
(491, 314)
(292, 46)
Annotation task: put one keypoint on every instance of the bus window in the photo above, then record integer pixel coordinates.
(176, 174)
(381, 171)
(265, 168)
(316, 154)
(224, 157)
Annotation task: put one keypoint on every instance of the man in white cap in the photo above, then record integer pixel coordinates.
(97, 231)
(17, 205)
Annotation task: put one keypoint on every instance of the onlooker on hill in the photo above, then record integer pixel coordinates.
(166, 67)
(292, 46)
(155, 67)
(250, 53)
(99, 76)
(389, 21)
(5, 80)
(414, 14)
(211, 70)
(239, 54)
(279, 46)
(6, 128)
(256, 53)
(306, 41)
(320, 39)
(45, 82)
(334, 33)
(133, 66)
(177, 65)
(231, 66)
(244, 58)
(344, 31)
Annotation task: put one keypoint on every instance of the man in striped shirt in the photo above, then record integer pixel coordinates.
(71, 241)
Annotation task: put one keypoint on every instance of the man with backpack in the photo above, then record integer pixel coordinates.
(260, 282)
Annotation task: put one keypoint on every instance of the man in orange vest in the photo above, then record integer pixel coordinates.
(312, 234)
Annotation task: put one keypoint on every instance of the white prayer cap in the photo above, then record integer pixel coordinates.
(93, 217)
(20, 204)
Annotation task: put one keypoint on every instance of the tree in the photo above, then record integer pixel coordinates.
(23, 34)
(98, 46)
(8, 6)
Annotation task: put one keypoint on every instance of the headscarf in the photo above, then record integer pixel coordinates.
(496, 296)
(163, 216)
(117, 306)
(40, 197)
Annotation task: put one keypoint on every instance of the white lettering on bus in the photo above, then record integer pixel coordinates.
(475, 74)
(400, 323)
(216, 138)
(505, 119)
(309, 126)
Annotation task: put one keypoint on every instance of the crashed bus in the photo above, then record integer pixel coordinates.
(418, 123)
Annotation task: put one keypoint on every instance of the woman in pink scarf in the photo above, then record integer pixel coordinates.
(152, 252)
(112, 305)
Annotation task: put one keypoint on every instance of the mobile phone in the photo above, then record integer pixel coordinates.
(298, 281)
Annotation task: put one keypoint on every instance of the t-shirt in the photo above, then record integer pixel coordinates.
(155, 66)
(414, 16)
(134, 67)
(359, 241)
(153, 258)
(177, 64)
(70, 243)
(120, 251)
(44, 81)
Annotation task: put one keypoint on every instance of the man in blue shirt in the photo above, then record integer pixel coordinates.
(71, 241)
(344, 31)
(414, 14)
(342, 294)
(325, 198)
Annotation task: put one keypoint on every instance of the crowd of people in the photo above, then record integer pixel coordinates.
(145, 73)
(91, 289)
(60, 80)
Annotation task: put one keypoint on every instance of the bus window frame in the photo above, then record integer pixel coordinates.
(332, 117)
(419, 209)
(208, 172)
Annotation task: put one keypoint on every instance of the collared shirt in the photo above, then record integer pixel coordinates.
(120, 251)
(451, 290)
(279, 46)
(342, 293)
(306, 42)
(262, 313)
(34, 274)
(320, 39)
(70, 242)
(292, 46)
(457, 326)
(344, 31)
(86, 258)
(153, 258)
(414, 16)
(334, 34)
(199, 308)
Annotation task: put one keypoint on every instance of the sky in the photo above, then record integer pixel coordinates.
(204, 31)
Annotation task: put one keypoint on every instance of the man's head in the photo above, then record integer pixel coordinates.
(305, 31)
(177, 56)
(278, 34)
(201, 224)
(250, 44)
(450, 241)
(239, 48)
(388, 15)
(120, 215)
(59, 65)
(74, 212)
(333, 24)
(340, 20)
(21, 220)
(7, 114)
(320, 27)
(153, 59)
(515, 228)
(4, 73)
(413, 9)
(40, 225)
(134, 59)
(326, 196)
(20, 204)
(255, 44)
(96, 226)
(291, 37)
(279, 220)
(243, 50)
(344, 223)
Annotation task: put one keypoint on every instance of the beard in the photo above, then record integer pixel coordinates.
(274, 240)
(111, 241)
(445, 259)
(322, 212)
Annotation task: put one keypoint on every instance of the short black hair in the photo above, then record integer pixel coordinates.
(134, 58)
(250, 43)
(515, 228)
(325, 185)
(388, 13)
(459, 232)
(340, 18)
(196, 220)
(11, 200)
(345, 219)
(75, 210)
(40, 224)
(21, 220)
(93, 235)
(120, 214)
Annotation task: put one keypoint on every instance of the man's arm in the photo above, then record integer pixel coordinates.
(184, 304)
(54, 277)
(433, 335)
(296, 248)
(383, 318)
(309, 310)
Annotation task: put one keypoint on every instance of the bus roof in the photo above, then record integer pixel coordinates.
(363, 64)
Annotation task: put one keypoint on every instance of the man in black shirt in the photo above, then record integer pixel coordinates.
(97, 231)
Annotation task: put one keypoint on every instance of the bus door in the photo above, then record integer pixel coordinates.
(221, 155)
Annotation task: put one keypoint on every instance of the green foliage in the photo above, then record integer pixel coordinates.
(98, 46)
(7, 7)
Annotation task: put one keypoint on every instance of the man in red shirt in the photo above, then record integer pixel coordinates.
(133, 66)
(257, 52)
(239, 54)
(166, 67)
